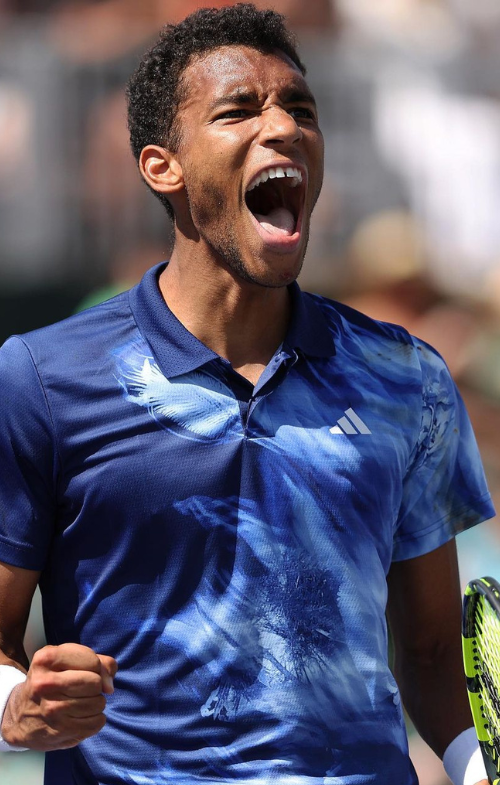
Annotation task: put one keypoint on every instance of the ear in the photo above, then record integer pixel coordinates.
(161, 169)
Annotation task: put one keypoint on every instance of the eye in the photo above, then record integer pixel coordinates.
(302, 113)
(233, 114)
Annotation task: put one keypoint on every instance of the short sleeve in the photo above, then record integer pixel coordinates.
(27, 458)
(444, 490)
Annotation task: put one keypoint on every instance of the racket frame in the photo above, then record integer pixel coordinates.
(480, 590)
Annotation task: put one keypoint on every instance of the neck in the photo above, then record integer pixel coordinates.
(240, 321)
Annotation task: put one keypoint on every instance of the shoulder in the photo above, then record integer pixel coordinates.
(348, 320)
(356, 333)
(383, 349)
(74, 340)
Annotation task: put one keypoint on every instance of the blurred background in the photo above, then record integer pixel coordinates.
(407, 228)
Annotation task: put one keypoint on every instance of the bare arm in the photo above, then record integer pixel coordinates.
(17, 587)
(62, 701)
(424, 612)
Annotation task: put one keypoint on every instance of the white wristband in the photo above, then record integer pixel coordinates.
(10, 677)
(463, 761)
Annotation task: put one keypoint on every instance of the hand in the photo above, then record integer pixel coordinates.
(61, 703)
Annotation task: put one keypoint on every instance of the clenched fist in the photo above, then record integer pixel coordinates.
(61, 703)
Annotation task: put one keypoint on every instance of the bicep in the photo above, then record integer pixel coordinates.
(17, 587)
(424, 605)
(424, 611)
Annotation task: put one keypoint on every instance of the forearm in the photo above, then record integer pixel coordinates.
(435, 698)
(13, 654)
(424, 612)
(434, 695)
(10, 679)
(13, 667)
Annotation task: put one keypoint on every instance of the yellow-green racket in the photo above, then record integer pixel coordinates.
(481, 648)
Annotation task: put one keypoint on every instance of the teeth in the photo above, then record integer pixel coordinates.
(270, 174)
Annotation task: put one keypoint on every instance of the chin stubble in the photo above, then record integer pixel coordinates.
(222, 239)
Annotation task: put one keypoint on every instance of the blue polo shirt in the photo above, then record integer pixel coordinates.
(229, 545)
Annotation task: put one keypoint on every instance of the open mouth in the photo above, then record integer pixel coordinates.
(275, 198)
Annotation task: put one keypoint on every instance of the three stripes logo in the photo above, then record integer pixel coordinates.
(350, 424)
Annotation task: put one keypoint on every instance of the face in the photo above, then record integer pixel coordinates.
(251, 155)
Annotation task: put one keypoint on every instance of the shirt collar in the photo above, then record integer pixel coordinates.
(178, 351)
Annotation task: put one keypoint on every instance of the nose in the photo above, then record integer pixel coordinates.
(279, 127)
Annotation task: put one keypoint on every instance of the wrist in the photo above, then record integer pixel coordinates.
(463, 761)
(10, 678)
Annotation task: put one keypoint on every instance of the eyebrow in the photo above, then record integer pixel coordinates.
(244, 97)
(298, 95)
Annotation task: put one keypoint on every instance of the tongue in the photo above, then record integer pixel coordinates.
(278, 221)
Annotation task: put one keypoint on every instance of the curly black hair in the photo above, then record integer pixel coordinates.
(155, 90)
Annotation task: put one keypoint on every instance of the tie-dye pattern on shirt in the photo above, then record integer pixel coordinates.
(283, 647)
(231, 549)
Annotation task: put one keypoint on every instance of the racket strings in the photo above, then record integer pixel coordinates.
(487, 666)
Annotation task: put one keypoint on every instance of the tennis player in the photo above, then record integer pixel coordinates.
(219, 480)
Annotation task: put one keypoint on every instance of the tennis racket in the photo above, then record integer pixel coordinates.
(481, 649)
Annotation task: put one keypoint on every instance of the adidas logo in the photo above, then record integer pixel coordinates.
(350, 424)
